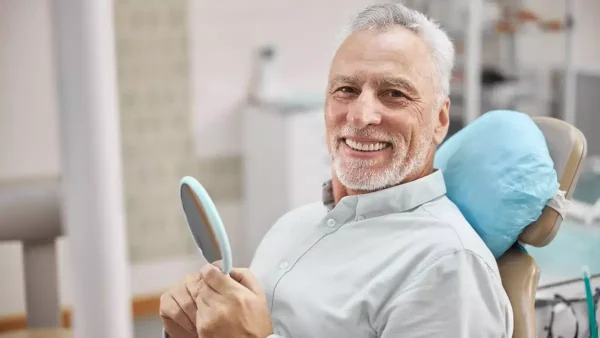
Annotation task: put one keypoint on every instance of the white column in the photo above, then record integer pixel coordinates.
(473, 61)
(570, 83)
(91, 168)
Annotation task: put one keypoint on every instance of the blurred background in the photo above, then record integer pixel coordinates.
(231, 92)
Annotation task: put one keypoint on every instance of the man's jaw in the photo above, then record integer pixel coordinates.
(364, 171)
(361, 174)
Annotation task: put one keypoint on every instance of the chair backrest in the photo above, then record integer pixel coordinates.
(519, 272)
(30, 213)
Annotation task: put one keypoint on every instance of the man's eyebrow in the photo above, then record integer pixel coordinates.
(388, 81)
(401, 82)
(338, 80)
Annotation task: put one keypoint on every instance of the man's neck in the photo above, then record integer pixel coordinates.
(340, 191)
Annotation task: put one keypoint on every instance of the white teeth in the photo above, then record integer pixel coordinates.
(366, 146)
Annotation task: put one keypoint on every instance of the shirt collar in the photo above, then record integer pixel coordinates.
(395, 199)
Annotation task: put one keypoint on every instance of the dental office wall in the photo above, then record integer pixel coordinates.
(541, 53)
(198, 72)
(28, 118)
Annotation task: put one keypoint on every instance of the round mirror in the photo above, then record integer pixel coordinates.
(205, 224)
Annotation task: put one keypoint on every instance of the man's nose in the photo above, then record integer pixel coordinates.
(364, 111)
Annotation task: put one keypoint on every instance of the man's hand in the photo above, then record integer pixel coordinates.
(178, 308)
(231, 306)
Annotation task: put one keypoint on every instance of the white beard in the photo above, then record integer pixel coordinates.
(359, 174)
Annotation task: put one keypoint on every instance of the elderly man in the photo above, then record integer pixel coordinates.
(385, 254)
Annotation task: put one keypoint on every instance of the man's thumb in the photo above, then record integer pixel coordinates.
(246, 278)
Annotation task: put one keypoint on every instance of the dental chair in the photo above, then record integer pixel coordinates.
(519, 272)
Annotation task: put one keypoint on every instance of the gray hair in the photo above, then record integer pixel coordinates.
(385, 16)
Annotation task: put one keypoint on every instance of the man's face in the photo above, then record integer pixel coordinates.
(383, 116)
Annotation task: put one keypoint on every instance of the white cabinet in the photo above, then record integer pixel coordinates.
(285, 162)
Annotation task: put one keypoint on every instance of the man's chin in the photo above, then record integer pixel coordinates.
(374, 165)
(362, 180)
(361, 184)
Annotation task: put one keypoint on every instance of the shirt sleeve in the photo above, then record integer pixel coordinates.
(457, 296)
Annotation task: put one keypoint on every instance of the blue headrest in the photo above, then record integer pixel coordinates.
(499, 173)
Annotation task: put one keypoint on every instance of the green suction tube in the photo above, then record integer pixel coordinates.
(590, 303)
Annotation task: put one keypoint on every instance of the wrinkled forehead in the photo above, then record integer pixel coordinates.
(397, 52)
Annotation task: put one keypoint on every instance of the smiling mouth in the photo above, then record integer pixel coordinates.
(366, 146)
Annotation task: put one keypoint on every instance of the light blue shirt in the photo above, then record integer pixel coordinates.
(400, 262)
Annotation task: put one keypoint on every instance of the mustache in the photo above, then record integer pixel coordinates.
(369, 132)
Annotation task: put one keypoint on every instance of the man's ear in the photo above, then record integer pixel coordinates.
(442, 122)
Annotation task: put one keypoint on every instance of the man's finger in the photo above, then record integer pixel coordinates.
(217, 280)
(174, 330)
(187, 303)
(203, 315)
(247, 279)
(206, 295)
(201, 303)
(218, 264)
(192, 282)
(170, 310)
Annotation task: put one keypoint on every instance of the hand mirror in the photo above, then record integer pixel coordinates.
(205, 224)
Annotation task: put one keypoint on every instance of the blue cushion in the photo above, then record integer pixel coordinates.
(499, 173)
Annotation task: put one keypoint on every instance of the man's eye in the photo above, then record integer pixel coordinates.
(347, 90)
(394, 93)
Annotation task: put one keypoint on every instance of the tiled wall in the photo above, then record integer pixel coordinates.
(153, 76)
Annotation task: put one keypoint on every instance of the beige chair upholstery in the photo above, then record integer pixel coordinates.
(520, 274)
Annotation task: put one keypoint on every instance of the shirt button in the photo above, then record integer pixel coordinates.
(283, 265)
(360, 218)
(331, 222)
